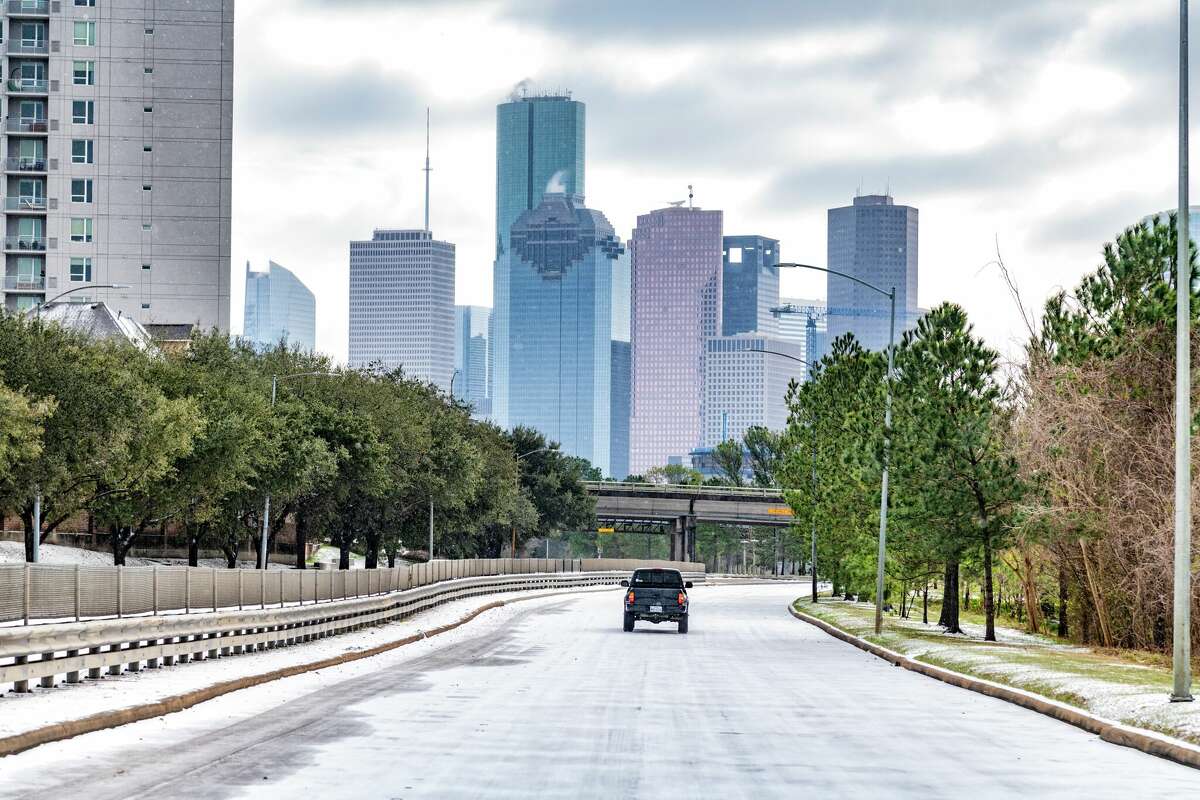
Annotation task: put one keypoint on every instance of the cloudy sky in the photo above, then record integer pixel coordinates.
(1048, 126)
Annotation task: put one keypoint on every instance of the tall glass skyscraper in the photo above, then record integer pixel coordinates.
(749, 285)
(471, 333)
(279, 307)
(560, 328)
(402, 304)
(875, 241)
(539, 149)
(676, 307)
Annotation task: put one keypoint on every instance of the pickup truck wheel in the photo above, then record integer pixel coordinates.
(628, 622)
(683, 624)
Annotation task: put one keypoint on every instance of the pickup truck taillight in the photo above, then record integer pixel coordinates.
(629, 598)
(682, 599)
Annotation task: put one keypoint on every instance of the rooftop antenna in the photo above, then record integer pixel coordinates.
(689, 195)
(428, 169)
(887, 190)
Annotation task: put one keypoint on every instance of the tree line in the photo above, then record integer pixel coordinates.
(192, 439)
(1046, 485)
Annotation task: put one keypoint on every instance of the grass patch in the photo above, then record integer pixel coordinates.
(1130, 686)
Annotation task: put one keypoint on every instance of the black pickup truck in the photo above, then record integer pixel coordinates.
(656, 595)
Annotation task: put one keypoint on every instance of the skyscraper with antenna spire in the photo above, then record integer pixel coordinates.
(402, 299)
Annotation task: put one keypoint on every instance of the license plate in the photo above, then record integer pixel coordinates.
(656, 609)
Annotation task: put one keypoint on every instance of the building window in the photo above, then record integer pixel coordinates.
(83, 73)
(86, 3)
(146, 148)
(145, 305)
(149, 31)
(81, 229)
(85, 34)
(145, 226)
(146, 267)
(81, 190)
(81, 269)
(83, 112)
(148, 70)
(83, 151)
(147, 109)
(145, 187)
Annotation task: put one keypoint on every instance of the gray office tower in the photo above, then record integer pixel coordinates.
(539, 149)
(749, 285)
(402, 304)
(472, 325)
(118, 141)
(622, 295)
(875, 241)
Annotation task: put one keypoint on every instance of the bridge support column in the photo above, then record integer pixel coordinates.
(678, 536)
(689, 539)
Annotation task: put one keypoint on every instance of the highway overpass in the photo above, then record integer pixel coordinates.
(675, 509)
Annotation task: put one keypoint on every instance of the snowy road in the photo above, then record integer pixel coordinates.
(558, 702)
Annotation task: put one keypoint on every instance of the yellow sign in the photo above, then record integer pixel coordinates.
(606, 530)
(780, 512)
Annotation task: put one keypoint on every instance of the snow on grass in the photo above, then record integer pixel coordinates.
(23, 712)
(14, 553)
(1105, 683)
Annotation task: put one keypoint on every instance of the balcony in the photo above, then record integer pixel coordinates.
(25, 165)
(25, 244)
(25, 203)
(25, 283)
(28, 86)
(28, 47)
(29, 8)
(25, 125)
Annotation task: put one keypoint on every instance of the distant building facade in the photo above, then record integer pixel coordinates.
(874, 240)
(539, 149)
(402, 304)
(805, 326)
(471, 357)
(676, 307)
(745, 384)
(560, 328)
(620, 395)
(749, 285)
(279, 308)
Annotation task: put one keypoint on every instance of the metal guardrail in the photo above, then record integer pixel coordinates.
(41, 652)
(677, 488)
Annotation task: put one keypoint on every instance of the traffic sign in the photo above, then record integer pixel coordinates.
(606, 530)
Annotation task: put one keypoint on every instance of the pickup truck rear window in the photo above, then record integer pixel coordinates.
(657, 579)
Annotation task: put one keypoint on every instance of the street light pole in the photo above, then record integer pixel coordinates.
(890, 294)
(1181, 691)
(36, 550)
(266, 521)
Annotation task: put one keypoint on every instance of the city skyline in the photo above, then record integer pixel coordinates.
(948, 131)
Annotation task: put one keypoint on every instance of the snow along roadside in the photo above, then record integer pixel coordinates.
(46, 715)
(1154, 744)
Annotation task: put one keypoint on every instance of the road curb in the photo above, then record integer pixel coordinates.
(1154, 744)
(56, 732)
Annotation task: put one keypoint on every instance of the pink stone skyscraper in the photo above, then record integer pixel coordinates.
(676, 304)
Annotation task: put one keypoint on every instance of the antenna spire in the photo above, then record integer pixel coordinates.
(427, 170)
(689, 195)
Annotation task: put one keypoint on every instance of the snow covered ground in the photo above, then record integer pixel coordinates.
(22, 712)
(1098, 681)
(14, 553)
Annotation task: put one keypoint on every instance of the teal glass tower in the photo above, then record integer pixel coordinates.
(539, 149)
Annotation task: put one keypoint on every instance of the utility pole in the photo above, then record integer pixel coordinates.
(1181, 691)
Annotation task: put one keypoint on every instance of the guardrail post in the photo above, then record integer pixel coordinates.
(94, 672)
(47, 681)
(76, 608)
(114, 669)
(73, 675)
(22, 686)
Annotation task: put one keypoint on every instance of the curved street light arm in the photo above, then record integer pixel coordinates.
(796, 265)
